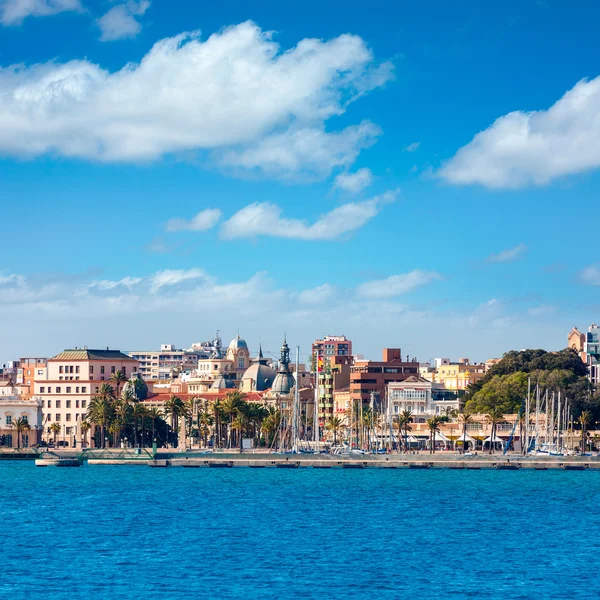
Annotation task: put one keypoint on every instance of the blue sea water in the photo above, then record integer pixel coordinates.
(133, 532)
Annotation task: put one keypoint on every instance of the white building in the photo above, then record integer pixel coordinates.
(162, 364)
(13, 408)
(420, 396)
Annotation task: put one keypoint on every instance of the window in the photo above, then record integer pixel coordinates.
(58, 404)
(49, 403)
(58, 390)
(25, 418)
(68, 404)
(40, 372)
(60, 378)
(83, 390)
(61, 369)
(83, 403)
(42, 390)
(49, 390)
(240, 363)
(76, 403)
(68, 418)
(77, 369)
(57, 417)
(91, 369)
(71, 369)
(112, 369)
(68, 389)
(77, 390)
(9, 419)
(29, 372)
(125, 371)
(102, 369)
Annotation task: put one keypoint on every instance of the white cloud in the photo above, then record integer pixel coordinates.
(396, 285)
(317, 295)
(309, 152)
(236, 93)
(508, 254)
(170, 278)
(205, 219)
(354, 182)
(43, 314)
(411, 147)
(13, 12)
(590, 275)
(533, 148)
(266, 219)
(121, 21)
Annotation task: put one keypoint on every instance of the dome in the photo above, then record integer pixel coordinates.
(220, 383)
(283, 383)
(258, 377)
(237, 343)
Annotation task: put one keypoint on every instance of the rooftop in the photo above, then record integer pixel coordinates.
(86, 354)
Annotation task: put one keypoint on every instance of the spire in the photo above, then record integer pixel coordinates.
(285, 355)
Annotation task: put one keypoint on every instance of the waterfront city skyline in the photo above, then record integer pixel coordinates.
(406, 181)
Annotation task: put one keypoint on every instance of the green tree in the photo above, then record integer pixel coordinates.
(173, 408)
(494, 417)
(584, 421)
(335, 426)
(404, 419)
(55, 430)
(100, 411)
(20, 425)
(433, 424)
(117, 379)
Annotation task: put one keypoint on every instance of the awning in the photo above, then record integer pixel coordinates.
(440, 437)
(496, 440)
(465, 437)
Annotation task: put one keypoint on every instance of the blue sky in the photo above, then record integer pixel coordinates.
(305, 167)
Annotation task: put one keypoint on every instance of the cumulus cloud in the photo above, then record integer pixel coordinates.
(317, 295)
(354, 182)
(508, 254)
(411, 147)
(13, 12)
(236, 94)
(121, 21)
(396, 285)
(533, 148)
(205, 219)
(590, 275)
(266, 219)
(307, 152)
(170, 278)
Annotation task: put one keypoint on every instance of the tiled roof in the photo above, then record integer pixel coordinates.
(92, 355)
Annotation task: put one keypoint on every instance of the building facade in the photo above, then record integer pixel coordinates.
(592, 352)
(165, 363)
(12, 409)
(332, 345)
(369, 378)
(73, 378)
(454, 376)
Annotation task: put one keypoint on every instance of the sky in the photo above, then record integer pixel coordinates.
(420, 175)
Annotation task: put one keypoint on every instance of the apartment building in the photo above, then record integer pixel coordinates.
(73, 378)
(332, 345)
(161, 364)
(369, 377)
(454, 376)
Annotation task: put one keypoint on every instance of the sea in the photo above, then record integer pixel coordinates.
(128, 532)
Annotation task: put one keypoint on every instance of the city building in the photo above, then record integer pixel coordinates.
(259, 376)
(587, 346)
(592, 352)
(73, 378)
(421, 397)
(167, 362)
(332, 345)
(369, 378)
(334, 376)
(455, 376)
(12, 409)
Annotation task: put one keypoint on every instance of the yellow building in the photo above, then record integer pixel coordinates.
(455, 376)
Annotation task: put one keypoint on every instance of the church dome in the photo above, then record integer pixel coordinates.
(258, 377)
(283, 383)
(220, 383)
(238, 343)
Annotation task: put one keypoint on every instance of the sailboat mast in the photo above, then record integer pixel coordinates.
(296, 403)
(527, 408)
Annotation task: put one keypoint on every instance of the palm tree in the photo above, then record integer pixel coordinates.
(584, 420)
(217, 410)
(139, 412)
(465, 418)
(233, 400)
(20, 424)
(117, 379)
(404, 419)
(55, 429)
(205, 421)
(174, 407)
(494, 417)
(335, 425)
(434, 426)
(85, 427)
(153, 413)
(100, 411)
(106, 392)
